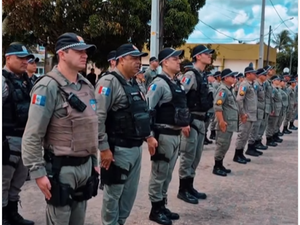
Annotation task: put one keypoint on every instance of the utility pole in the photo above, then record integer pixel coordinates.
(161, 24)
(261, 41)
(269, 40)
(154, 40)
(291, 60)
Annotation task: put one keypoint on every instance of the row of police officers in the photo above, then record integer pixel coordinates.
(68, 122)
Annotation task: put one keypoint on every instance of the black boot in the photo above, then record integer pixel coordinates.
(270, 142)
(5, 219)
(217, 170)
(14, 217)
(280, 134)
(171, 215)
(184, 193)
(193, 191)
(224, 169)
(212, 135)
(157, 215)
(207, 141)
(292, 127)
(251, 150)
(260, 145)
(276, 138)
(237, 157)
(286, 131)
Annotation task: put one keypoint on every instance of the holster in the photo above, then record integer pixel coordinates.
(158, 156)
(60, 193)
(114, 175)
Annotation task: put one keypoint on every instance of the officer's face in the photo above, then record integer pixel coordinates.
(131, 64)
(263, 78)
(31, 67)
(211, 79)
(293, 84)
(230, 80)
(204, 58)
(252, 76)
(154, 64)
(113, 63)
(75, 59)
(282, 84)
(287, 78)
(276, 82)
(16, 64)
(172, 64)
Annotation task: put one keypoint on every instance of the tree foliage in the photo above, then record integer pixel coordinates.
(107, 24)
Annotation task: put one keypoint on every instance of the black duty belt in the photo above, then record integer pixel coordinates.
(167, 131)
(125, 142)
(198, 117)
(65, 160)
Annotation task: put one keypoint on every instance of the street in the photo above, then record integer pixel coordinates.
(263, 192)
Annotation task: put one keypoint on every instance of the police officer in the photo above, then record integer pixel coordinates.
(290, 110)
(210, 113)
(261, 105)
(16, 87)
(285, 104)
(247, 102)
(269, 105)
(213, 124)
(292, 126)
(167, 96)
(199, 101)
(240, 77)
(31, 69)
(151, 71)
(227, 113)
(111, 59)
(275, 111)
(62, 120)
(140, 79)
(124, 122)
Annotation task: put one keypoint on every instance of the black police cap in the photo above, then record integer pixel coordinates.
(249, 69)
(239, 75)
(268, 67)
(261, 71)
(153, 58)
(111, 55)
(129, 49)
(32, 60)
(169, 52)
(19, 50)
(72, 41)
(227, 73)
(292, 80)
(217, 74)
(276, 77)
(199, 49)
(188, 65)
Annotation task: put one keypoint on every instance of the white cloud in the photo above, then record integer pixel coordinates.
(241, 18)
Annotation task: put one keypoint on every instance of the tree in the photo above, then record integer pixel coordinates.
(282, 40)
(107, 24)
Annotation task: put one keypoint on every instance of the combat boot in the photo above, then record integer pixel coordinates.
(157, 215)
(280, 134)
(292, 127)
(238, 158)
(207, 141)
(286, 131)
(270, 142)
(193, 191)
(171, 215)
(5, 218)
(224, 169)
(217, 170)
(14, 217)
(251, 150)
(184, 193)
(259, 145)
(212, 135)
(276, 138)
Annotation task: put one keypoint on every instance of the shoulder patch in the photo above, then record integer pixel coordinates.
(219, 102)
(38, 100)
(185, 80)
(104, 91)
(93, 104)
(152, 87)
(222, 94)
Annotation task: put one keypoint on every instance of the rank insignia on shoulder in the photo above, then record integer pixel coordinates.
(219, 102)
(242, 93)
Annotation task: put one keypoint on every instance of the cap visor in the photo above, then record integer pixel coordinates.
(210, 51)
(177, 53)
(140, 54)
(231, 74)
(30, 56)
(90, 48)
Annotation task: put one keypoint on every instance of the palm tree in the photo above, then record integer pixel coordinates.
(283, 40)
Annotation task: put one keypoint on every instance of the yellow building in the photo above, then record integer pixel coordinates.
(233, 56)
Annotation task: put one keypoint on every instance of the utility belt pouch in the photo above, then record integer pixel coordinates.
(182, 117)
(60, 194)
(114, 175)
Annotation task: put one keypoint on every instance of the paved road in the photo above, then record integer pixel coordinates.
(263, 192)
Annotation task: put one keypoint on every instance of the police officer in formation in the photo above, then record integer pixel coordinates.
(291, 106)
(16, 87)
(240, 77)
(167, 96)
(151, 71)
(199, 101)
(124, 123)
(216, 85)
(292, 126)
(261, 104)
(285, 102)
(140, 79)
(247, 102)
(227, 114)
(111, 59)
(62, 122)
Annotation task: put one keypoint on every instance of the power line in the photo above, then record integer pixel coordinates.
(280, 17)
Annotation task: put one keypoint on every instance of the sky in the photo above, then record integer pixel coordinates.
(240, 20)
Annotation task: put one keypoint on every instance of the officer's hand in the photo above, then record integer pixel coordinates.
(186, 131)
(106, 158)
(152, 145)
(45, 186)
(244, 118)
(97, 169)
(223, 126)
(272, 113)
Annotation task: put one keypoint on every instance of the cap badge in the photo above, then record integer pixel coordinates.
(80, 39)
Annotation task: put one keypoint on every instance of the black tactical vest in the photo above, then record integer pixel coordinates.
(132, 122)
(200, 100)
(176, 111)
(16, 106)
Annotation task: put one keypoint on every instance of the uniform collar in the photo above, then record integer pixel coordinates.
(66, 82)
(165, 74)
